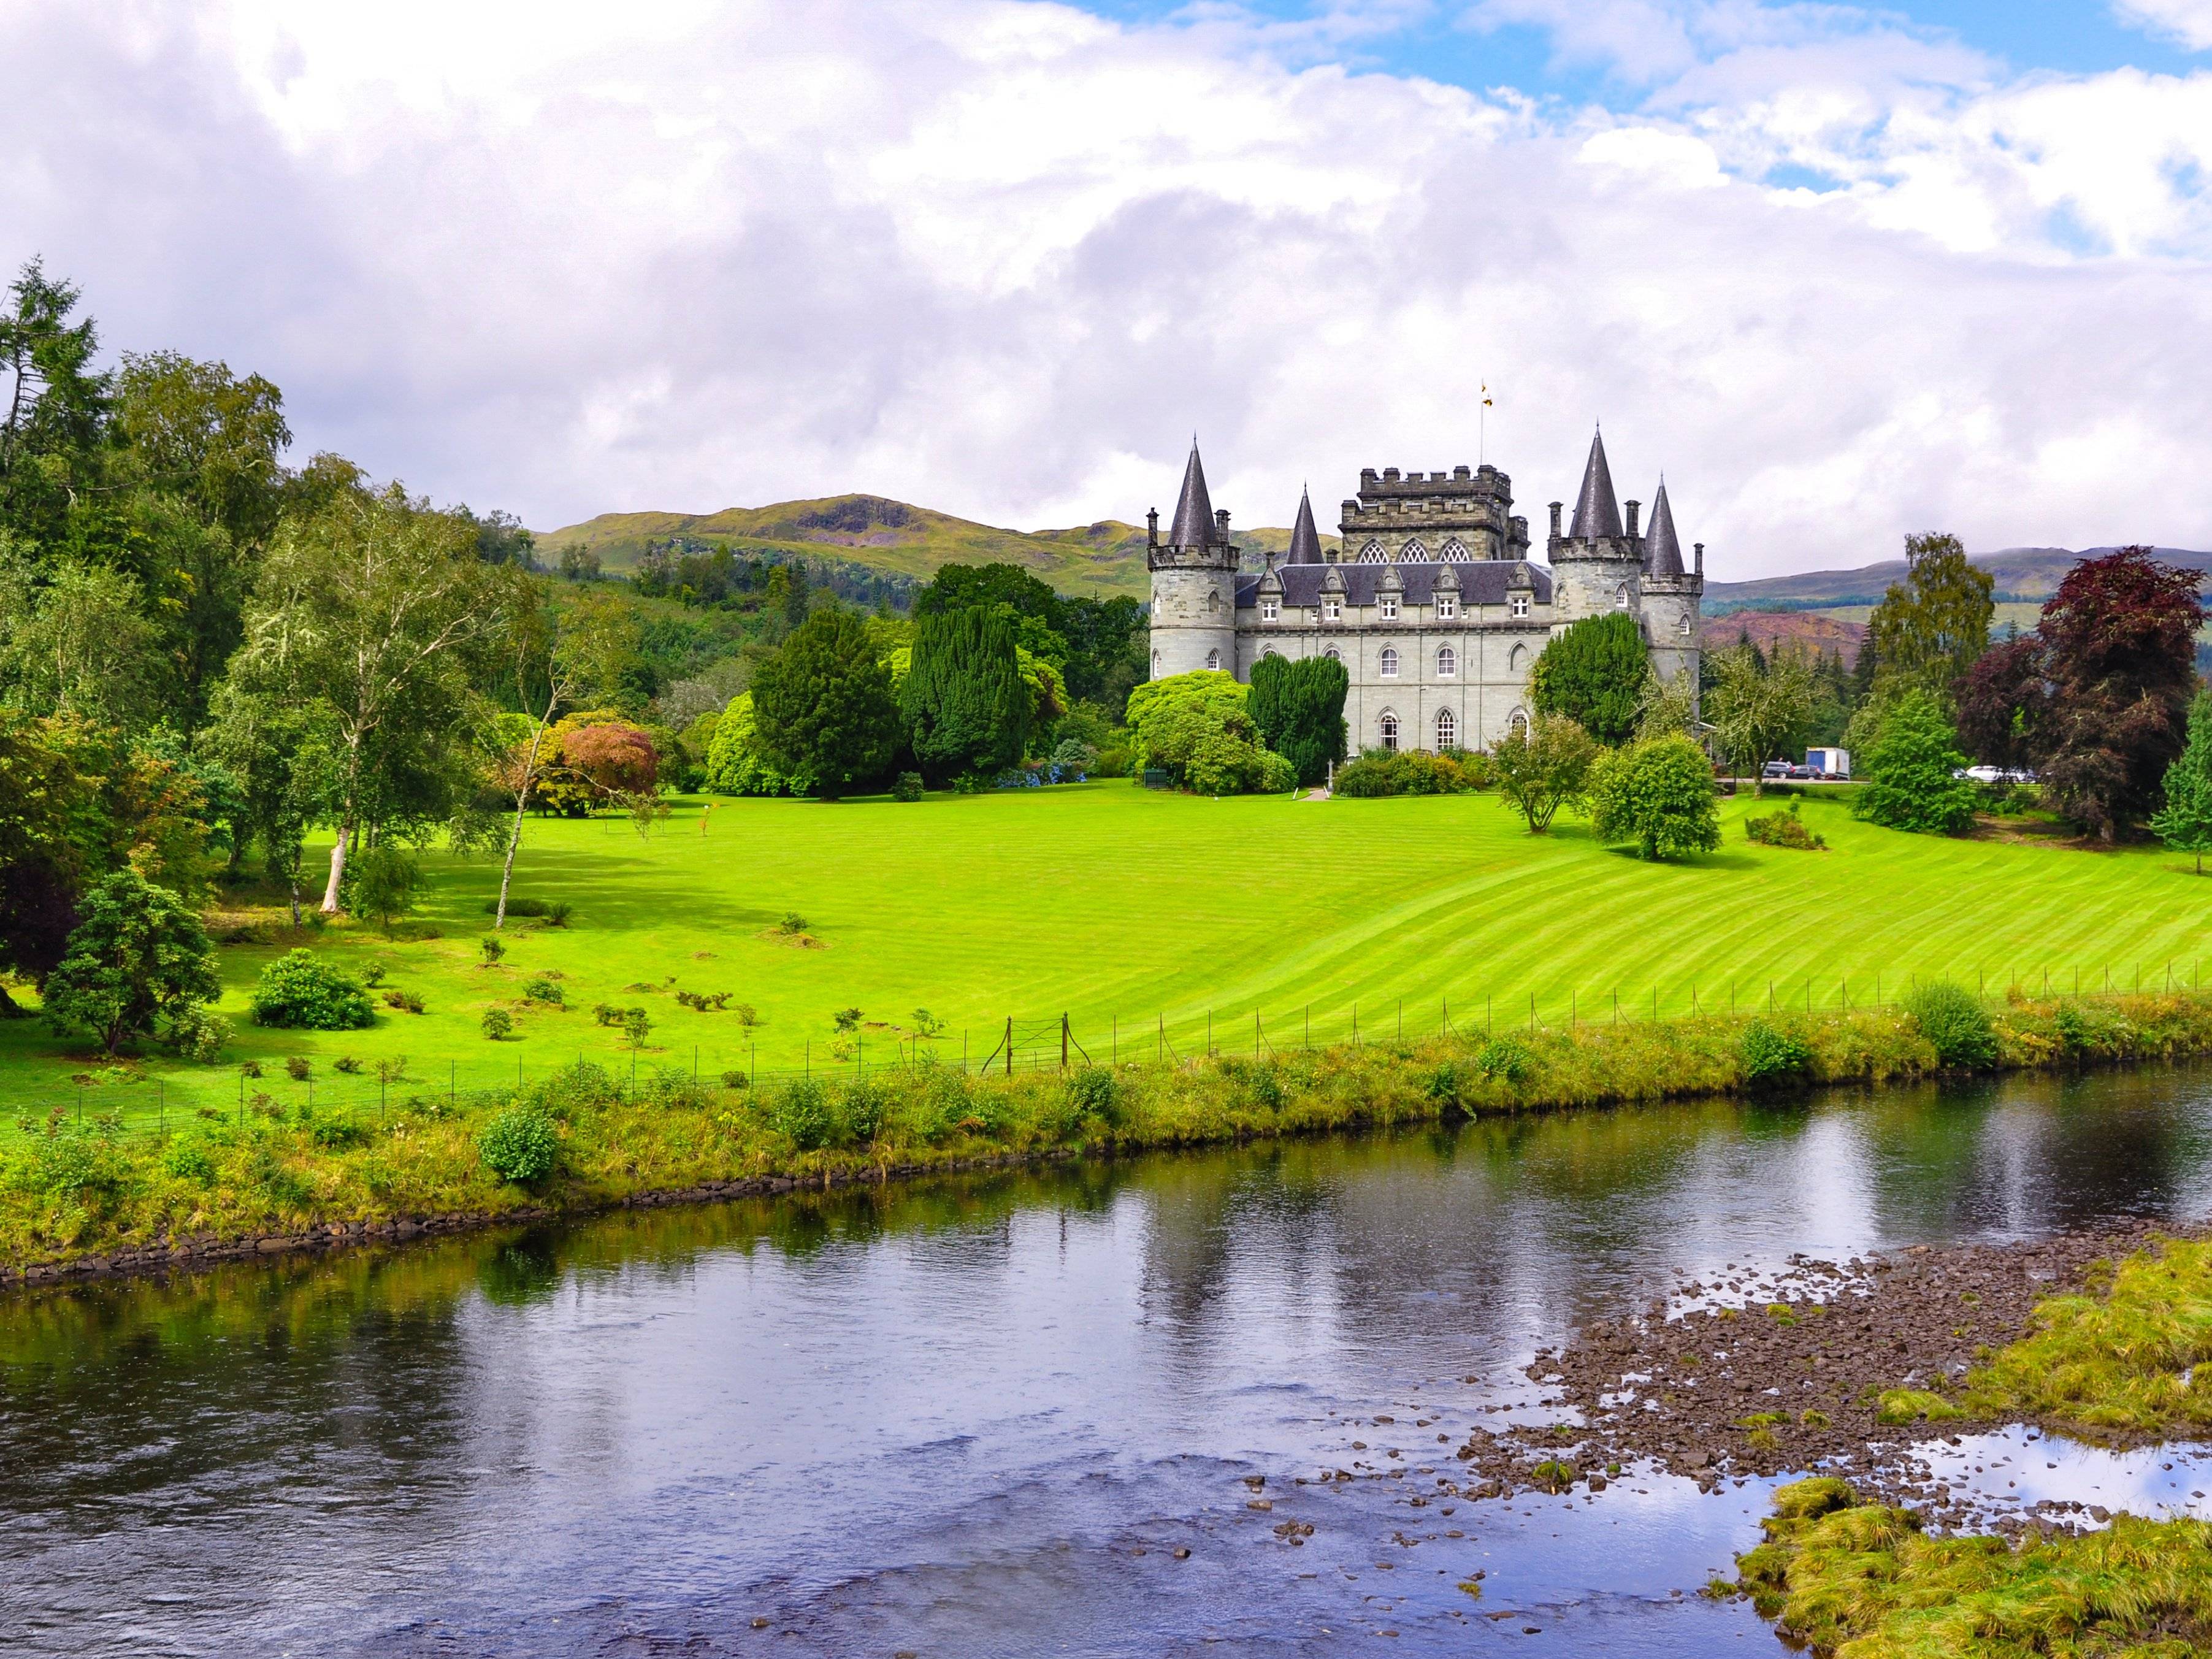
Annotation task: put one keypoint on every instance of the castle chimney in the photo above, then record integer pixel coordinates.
(1632, 508)
(1221, 524)
(1556, 506)
(1700, 548)
(1152, 528)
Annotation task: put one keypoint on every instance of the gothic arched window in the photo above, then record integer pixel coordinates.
(1447, 662)
(1447, 729)
(1389, 662)
(1454, 549)
(1519, 659)
(1683, 628)
(1620, 598)
(1413, 552)
(1517, 721)
(1214, 660)
(1212, 599)
(1371, 554)
(1389, 728)
(1333, 654)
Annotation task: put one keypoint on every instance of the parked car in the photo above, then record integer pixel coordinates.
(1802, 773)
(1775, 769)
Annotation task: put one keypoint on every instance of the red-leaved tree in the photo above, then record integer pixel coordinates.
(2120, 661)
(616, 759)
(2002, 701)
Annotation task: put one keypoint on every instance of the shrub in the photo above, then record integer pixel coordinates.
(1954, 1023)
(636, 1025)
(335, 1135)
(139, 956)
(543, 989)
(347, 1064)
(1506, 1057)
(733, 1079)
(188, 1160)
(494, 949)
(498, 1025)
(298, 1067)
(515, 907)
(792, 923)
(408, 1002)
(1092, 1092)
(1783, 829)
(908, 786)
(800, 1113)
(1911, 771)
(304, 993)
(863, 1109)
(748, 1016)
(1442, 1084)
(372, 975)
(1769, 1055)
(520, 1145)
(196, 1034)
(558, 912)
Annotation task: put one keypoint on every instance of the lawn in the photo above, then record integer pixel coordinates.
(1124, 908)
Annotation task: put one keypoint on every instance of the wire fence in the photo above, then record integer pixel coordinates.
(125, 1100)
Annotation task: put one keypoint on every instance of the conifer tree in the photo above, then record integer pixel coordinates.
(2185, 822)
(1299, 709)
(822, 705)
(1593, 675)
(966, 706)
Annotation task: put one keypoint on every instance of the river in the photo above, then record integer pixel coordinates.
(983, 1416)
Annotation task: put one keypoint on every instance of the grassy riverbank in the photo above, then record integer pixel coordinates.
(278, 1168)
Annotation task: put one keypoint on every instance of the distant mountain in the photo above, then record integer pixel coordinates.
(1107, 557)
(2022, 573)
(1806, 629)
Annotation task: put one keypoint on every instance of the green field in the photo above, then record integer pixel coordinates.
(1123, 909)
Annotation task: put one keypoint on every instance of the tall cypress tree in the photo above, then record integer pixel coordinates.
(1594, 674)
(1299, 709)
(966, 706)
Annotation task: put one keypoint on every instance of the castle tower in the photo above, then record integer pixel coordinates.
(1305, 539)
(1672, 595)
(1597, 566)
(1194, 583)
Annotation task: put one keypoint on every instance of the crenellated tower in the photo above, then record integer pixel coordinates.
(1596, 566)
(1193, 583)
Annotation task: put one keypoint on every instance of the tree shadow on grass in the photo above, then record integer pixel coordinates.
(603, 893)
(1721, 861)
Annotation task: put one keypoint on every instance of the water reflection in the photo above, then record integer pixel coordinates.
(949, 1416)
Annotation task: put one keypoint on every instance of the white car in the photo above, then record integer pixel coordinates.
(1995, 774)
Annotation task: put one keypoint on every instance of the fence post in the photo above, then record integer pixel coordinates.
(1063, 1039)
(1010, 1045)
(1256, 1034)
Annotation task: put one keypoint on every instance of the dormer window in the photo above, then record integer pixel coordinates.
(1331, 608)
(1519, 605)
(1447, 607)
(1269, 609)
(1388, 606)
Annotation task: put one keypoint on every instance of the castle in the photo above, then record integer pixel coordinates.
(1434, 607)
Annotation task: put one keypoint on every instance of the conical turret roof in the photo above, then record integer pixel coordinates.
(1305, 540)
(1194, 519)
(1597, 512)
(1662, 552)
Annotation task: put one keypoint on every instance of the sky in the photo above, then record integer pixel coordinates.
(1840, 272)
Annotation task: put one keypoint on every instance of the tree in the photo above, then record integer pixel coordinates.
(1543, 766)
(1666, 708)
(383, 881)
(1929, 629)
(283, 755)
(2185, 822)
(375, 605)
(74, 640)
(139, 956)
(1912, 772)
(1593, 673)
(53, 425)
(1658, 794)
(2119, 655)
(2002, 702)
(823, 704)
(1758, 707)
(1298, 707)
(215, 441)
(966, 705)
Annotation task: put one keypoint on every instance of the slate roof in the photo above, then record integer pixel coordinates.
(1664, 553)
(1305, 540)
(1481, 581)
(1597, 512)
(1193, 523)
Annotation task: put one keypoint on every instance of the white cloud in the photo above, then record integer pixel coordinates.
(2189, 22)
(1001, 258)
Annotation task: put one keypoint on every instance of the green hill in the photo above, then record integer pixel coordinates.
(1107, 557)
(2022, 573)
